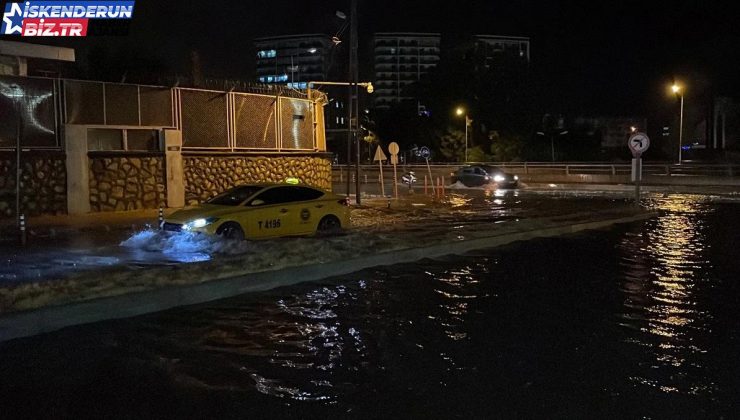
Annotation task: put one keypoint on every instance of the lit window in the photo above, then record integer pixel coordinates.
(337, 120)
(266, 54)
(342, 120)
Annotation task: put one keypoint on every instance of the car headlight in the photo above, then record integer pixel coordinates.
(199, 223)
(487, 178)
(499, 178)
(516, 177)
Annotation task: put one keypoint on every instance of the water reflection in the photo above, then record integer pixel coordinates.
(666, 268)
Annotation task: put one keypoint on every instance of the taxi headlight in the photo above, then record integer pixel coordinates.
(499, 178)
(199, 223)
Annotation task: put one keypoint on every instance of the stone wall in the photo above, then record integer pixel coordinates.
(43, 183)
(206, 176)
(126, 182)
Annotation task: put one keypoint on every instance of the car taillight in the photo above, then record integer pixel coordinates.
(344, 201)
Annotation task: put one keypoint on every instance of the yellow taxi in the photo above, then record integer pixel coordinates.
(261, 211)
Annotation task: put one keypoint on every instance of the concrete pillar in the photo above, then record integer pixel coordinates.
(174, 168)
(22, 66)
(78, 171)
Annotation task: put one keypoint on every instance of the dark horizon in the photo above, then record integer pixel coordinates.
(589, 58)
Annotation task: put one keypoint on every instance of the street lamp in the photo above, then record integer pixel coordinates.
(460, 111)
(677, 90)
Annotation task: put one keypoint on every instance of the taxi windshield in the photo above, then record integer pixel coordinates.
(234, 196)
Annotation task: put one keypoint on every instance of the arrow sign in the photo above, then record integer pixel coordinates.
(638, 143)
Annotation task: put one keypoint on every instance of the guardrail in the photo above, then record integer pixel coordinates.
(666, 169)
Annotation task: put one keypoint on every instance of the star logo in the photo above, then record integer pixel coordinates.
(12, 19)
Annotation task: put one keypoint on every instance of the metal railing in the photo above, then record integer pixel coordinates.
(585, 168)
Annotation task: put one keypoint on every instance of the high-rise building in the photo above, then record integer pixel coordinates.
(402, 59)
(499, 46)
(294, 60)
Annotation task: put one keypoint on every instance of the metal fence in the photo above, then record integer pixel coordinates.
(210, 120)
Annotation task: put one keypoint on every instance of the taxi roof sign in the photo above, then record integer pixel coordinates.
(292, 180)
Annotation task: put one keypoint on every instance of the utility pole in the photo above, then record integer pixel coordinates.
(354, 110)
(19, 123)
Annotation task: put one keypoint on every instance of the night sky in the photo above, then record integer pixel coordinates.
(590, 57)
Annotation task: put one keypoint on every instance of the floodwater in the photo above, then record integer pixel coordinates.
(640, 321)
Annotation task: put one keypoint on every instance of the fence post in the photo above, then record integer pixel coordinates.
(161, 217)
(567, 170)
(614, 170)
(525, 168)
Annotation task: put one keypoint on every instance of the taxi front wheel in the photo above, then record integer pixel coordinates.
(231, 230)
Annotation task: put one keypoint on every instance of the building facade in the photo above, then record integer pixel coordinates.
(294, 60)
(25, 59)
(400, 60)
(494, 47)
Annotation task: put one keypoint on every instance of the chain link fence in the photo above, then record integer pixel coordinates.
(204, 119)
(255, 121)
(296, 121)
(210, 120)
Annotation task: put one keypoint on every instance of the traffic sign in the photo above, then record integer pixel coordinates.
(638, 143)
(379, 155)
(393, 148)
(425, 152)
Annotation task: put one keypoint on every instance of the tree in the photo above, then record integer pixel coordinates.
(506, 148)
(452, 145)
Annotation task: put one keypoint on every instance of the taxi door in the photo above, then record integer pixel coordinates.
(271, 214)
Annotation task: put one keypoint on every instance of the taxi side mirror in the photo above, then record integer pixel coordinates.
(257, 202)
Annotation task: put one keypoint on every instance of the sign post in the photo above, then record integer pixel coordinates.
(426, 154)
(638, 143)
(380, 157)
(393, 148)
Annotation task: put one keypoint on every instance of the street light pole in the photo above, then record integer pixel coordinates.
(552, 146)
(680, 132)
(466, 138)
(354, 69)
(676, 88)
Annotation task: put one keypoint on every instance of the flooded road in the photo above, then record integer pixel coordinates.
(639, 321)
(75, 252)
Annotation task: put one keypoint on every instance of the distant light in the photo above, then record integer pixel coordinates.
(675, 88)
(312, 50)
(341, 15)
(553, 185)
(633, 128)
(459, 111)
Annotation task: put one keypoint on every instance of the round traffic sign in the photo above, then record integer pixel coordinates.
(638, 143)
(425, 152)
(393, 148)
